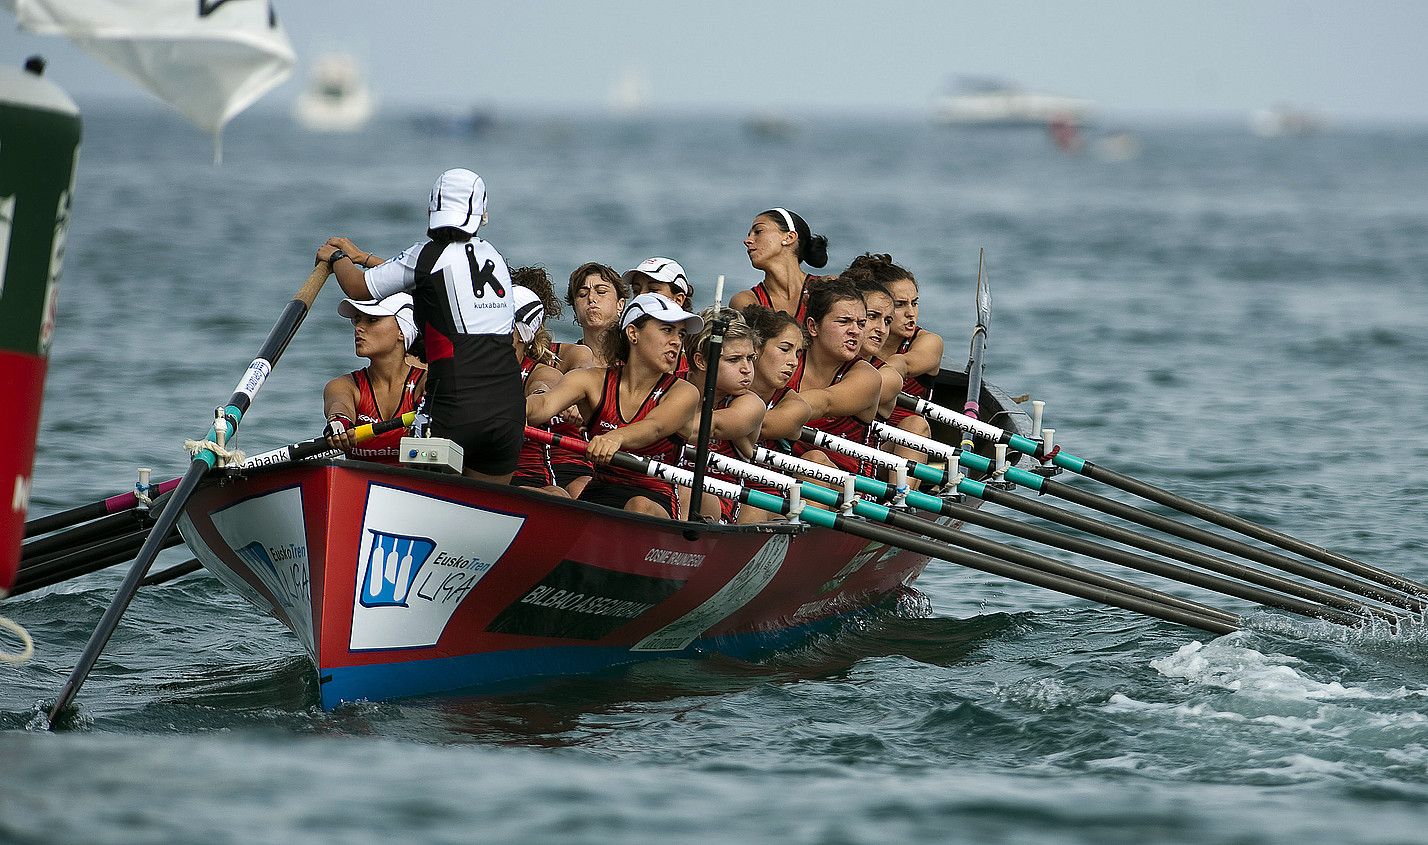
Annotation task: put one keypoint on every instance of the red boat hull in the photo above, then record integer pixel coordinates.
(405, 583)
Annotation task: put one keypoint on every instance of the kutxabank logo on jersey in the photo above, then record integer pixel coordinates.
(420, 557)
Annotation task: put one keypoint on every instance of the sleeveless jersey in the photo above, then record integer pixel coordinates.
(383, 448)
(607, 418)
(919, 386)
(533, 462)
(848, 427)
(565, 457)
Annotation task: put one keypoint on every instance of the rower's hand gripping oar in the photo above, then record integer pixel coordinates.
(1054, 454)
(225, 425)
(919, 545)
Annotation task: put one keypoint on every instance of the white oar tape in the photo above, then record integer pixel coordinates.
(252, 380)
(962, 421)
(914, 441)
(790, 486)
(685, 478)
(887, 460)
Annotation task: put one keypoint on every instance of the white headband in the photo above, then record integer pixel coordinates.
(787, 218)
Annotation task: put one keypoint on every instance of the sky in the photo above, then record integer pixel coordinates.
(1348, 61)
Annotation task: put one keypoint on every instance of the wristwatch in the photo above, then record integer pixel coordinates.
(336, 256)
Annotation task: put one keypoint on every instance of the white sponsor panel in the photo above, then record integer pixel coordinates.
(740, 590)
(269, 535)
(252, 380)
(418, 560)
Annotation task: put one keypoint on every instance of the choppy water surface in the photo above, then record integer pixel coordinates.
(1240, 320)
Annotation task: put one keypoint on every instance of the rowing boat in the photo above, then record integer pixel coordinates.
(401, 582)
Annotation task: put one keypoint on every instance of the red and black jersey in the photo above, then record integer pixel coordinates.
(383, 448)
(533, 462)
(919, 386)
(761, 293)
(848, 427)
(606, 418)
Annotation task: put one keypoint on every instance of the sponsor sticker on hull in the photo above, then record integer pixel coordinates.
(739, 591)
(578, 601)
(419, 558)
(268, 535)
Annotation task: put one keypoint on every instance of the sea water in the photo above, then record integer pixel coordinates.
(1238, 319)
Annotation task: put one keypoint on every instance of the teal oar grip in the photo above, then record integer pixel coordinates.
(1023, 445)
(1069, 461)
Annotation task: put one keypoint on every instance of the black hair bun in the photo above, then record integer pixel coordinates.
(815, 251)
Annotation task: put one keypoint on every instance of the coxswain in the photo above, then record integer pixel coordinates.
(636, 405)
(389, 386)
(840, 387)
(597, 295)
(738, 411)
(779, 243)
(781, 344)
(532, 343)
(461, 289)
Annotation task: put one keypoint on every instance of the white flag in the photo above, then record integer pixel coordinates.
(210, 59)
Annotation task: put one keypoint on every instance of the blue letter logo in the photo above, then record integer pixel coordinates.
(392, 567)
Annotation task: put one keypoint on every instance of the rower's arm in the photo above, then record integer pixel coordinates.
(542, 379)
(340, 397)
(925, 356)
(855, 396)
(575, 388)
(892, 385)
(741, 419)
(787, 419)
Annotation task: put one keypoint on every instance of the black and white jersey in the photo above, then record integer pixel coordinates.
(460, 287)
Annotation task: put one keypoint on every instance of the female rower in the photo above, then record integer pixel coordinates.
(462, 295)
(840, 387)
(781, 344)
(738, 411)
(382, 332)
(879, 305)
(778, 243)
(663, 276)
(636, 405)
(534, 299)
(914, 350)
(597, 295)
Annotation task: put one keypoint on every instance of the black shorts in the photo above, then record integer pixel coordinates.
(529, 481)
(566, 473)
(616, 495)
(491, 446)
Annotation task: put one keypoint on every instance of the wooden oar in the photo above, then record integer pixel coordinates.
(980, 490)
(1080, 586)
(1080, 466)
(224, 427)
(937, 505)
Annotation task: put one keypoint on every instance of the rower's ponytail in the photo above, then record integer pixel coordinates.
(812, 249)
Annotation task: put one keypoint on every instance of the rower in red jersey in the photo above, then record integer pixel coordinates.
(666, 277)
(738, 411)
(779, 243)
(597, 295)
(635, 405)
(534, 299)
(781, 344)
(389, 386)
(840, 387)
(915, 351)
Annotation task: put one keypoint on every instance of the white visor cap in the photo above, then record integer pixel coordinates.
(665, 270)
(458, 200)
(398, 305)
(530, 312)
(663, 309)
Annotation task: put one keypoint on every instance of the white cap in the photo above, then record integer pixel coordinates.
(665, 270)
(397, 305)
(530, 312)
(661, 308)
(458, 199)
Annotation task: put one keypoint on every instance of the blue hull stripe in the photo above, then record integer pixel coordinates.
(493, 670)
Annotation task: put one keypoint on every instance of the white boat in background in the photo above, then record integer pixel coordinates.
(1285, 121)
(336, 98)
(976, 101)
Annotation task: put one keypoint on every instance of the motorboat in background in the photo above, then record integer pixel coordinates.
(336, 98)
(979, 101)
